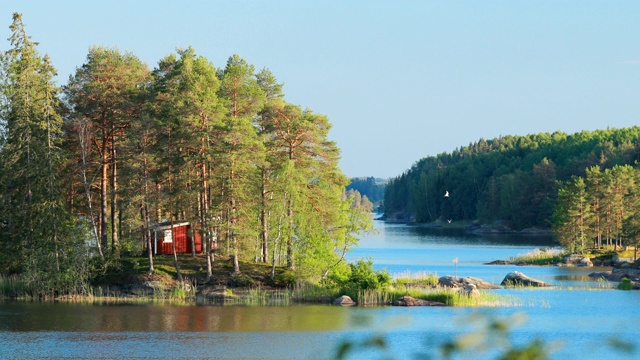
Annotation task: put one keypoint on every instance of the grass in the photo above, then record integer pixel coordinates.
(540, 256)
(253, 287)
(299, 294)
(445, 295)
(419, 279)
(425, 286)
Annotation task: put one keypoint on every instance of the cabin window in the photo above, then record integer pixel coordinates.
(168, 236)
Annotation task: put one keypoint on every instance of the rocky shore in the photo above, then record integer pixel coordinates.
(621, 268)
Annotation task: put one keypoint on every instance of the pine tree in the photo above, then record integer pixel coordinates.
(36, 234)
(187, 107)
(107, 91)
(241, 151)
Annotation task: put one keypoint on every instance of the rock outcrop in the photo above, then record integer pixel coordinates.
(344, 300)
(461, 282)
(516, 278)
(411, 301)
(576, 260)
(471, 291)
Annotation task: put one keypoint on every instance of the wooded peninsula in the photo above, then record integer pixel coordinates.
(583, 186)
(113, 163)
(212, 165)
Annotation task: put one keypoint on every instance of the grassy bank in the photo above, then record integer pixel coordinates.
(128, 281)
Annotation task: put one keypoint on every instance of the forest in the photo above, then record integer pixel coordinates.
(88, 168)
(512, 180)
(599, 209)
(372, 188)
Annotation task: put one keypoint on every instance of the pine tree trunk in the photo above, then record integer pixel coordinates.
(264, 219)
(115, 245)
(290, 243)
(103, 203)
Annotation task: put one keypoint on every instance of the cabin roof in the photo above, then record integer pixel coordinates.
(167, 225)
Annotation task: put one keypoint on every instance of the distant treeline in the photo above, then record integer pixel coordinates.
(513, 179)
(372, 188)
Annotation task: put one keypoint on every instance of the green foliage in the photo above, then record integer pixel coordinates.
(511, 178)
(625, 284)
(219, 148)
(370, 187)
(361, 276)
(286, 278)
(599, 210)
(178, 293)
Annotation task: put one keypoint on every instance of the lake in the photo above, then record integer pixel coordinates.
(579, 322)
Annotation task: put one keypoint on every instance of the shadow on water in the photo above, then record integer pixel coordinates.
(464, 237)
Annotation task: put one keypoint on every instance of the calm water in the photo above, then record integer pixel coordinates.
(579, 323)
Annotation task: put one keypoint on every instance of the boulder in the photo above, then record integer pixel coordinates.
(344, 300)
(617, 274)
(516, 278)
(572, 259)
(460, 282)
(471, 291)
(576, 260)
(411, 301)
(141, 289)
(585, 262)
(621, 260)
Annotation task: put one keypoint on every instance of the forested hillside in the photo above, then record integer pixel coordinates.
(510, 178)
(372, 188)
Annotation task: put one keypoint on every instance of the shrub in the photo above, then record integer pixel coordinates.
(625, 284)
(178, 292)
(285, 279)
(364, 277)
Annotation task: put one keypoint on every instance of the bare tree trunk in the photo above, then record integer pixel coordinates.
(236, 264)
(115, 245)
(51, 193)
(204, 209)
(173, 245)
(264, 219)
(175, 254)
(146, 218)
(103, 202)
(275, 246)
(83, 138)
(290, 243)
(146, 234)
(234, 220)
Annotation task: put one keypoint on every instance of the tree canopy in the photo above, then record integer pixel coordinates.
(89, 168)
(511, 178)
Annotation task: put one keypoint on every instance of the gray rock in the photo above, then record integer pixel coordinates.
(471, 291)
(585, 262)
(617, 259)
(344, 300)
(411, 301)
(572, 260)
(460, 282)
(516, 278)
(141, 289)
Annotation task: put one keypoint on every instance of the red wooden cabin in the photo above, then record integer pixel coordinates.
(164, 234)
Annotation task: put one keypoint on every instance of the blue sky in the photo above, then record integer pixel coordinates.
(399, 80)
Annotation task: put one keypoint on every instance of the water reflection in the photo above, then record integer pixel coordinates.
(18, 316)
(581, 319)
